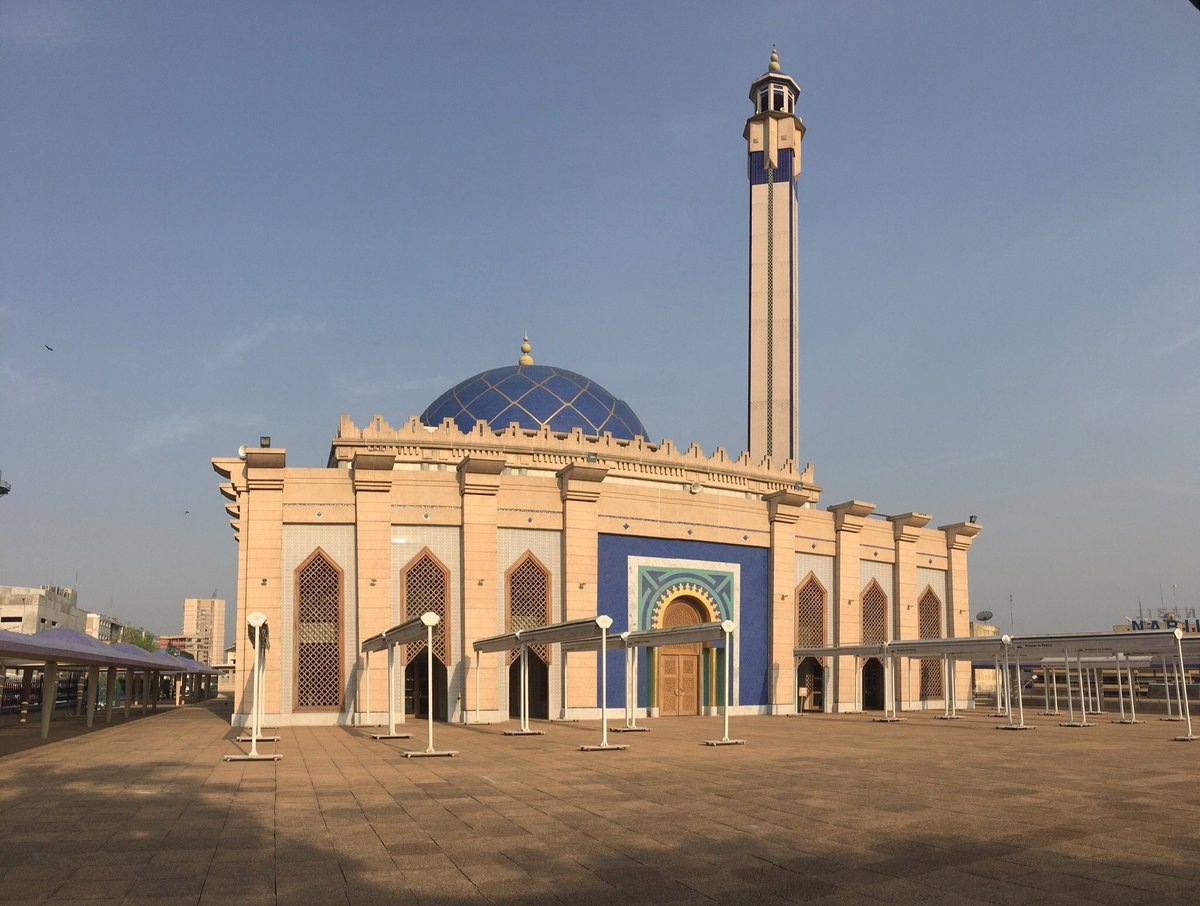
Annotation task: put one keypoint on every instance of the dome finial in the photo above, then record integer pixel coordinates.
(774, 67)
(526, 358)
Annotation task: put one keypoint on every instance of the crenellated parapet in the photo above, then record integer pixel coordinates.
(545, 450)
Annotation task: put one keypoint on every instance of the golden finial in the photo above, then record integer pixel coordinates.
(774, 67)
(526, 358)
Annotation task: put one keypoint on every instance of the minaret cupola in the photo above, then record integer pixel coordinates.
(774, 92)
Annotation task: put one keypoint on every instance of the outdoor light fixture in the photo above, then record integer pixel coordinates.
(592, 457)
(264, 581)
(264, 440)
(973, 518)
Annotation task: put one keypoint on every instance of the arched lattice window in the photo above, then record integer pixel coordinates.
(425, 586)
(318, 633)
(810, 613)
(527, 585)
(874, 614)
(929, 626)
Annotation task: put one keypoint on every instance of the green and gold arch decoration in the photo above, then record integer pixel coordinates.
(659, 585)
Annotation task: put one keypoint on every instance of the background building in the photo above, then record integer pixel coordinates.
(31, 610)
(204, 620)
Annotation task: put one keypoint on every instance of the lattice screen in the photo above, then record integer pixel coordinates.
(929, 626)
(874, 615)
(318, 636)
(810, 614)
(529, 602)
(425, 584)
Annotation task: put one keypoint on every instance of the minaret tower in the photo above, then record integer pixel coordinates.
(773, 136)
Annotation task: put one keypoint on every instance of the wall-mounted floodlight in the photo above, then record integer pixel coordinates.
(264, 441)
(972, 520)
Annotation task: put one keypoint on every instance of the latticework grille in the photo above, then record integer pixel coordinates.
(810, 614)
(425, 586)
(874, 615)
(929, 626)
(319, 636)
(529, 602)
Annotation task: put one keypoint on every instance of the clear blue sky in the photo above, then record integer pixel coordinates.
(237, 219)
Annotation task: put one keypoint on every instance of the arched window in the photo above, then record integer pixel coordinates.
(810, 613)
(318, 633)
(929, 626)
(527, 585)
(424, 586)
(874, 614)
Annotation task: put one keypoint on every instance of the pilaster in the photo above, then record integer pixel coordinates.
(959, 536)
(783, 509)
(906, 529)
(580, 487)
(479, 482)
(371, 474)
(262, 540)
(848, 521)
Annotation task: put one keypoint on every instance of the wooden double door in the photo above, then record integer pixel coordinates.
(679, 684)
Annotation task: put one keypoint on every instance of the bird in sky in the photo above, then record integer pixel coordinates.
(51, 348)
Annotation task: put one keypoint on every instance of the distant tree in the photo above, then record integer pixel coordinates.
(140, 637)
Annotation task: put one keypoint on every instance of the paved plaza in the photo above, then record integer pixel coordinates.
(831, 809)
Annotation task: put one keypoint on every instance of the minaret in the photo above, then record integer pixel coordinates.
(773, 136)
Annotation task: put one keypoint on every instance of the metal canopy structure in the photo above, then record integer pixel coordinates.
(860, 653)
(404, 634)
(577, 635)
(53, 649)
(1044, 649)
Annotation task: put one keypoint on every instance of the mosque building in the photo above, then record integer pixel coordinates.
(529, 494)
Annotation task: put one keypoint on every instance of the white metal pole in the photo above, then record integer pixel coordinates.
(725, 688)
(1070, 702)
(1006, 686)
(391, 688)
(1132, 692)
(368, 689)
(1167, 688)
(1187, 711)
(603, 686)
(525, 687)
(429, 681)
(946, 683)
(633, 667)
(1079, 667)
(1020, 693)
(1120, 689)
(254, 704)
(476, 687)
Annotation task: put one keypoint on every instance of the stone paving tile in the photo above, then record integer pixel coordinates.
(825, 809)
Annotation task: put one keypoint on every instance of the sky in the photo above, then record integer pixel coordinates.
(230, 220)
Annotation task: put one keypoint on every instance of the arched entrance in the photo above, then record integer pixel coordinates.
(810, 681)
(539, 688)
(872, 685)
(416, 687)
(679, 665)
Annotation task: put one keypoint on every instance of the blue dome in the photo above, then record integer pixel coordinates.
(534, 396)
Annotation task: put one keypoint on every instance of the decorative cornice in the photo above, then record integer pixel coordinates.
(372, 472)
(849, 516)
(580, 482)
(905, 526)
(266, 458)
(959, 535)
(545, 449)
(480, 475)
(784, 506)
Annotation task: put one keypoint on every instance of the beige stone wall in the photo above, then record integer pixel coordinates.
(479, 500)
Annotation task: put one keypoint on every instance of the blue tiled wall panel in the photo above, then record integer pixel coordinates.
(758, 173)
(614, 552)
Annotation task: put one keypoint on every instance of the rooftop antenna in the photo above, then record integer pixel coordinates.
(1012, 623)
